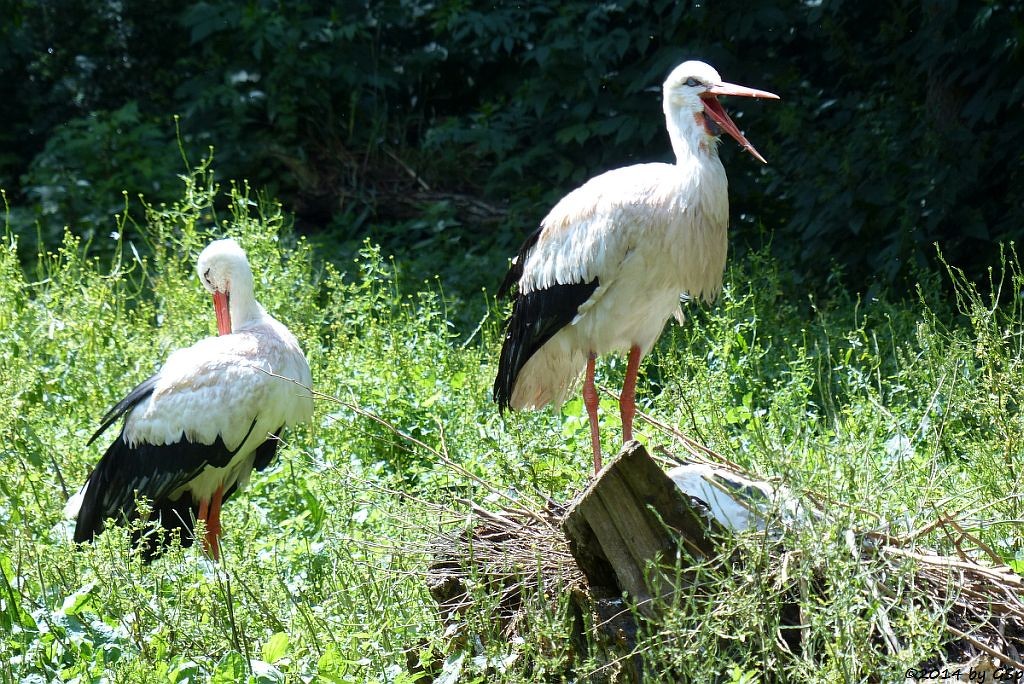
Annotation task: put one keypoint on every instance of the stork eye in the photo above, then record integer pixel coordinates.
(692, 82)
(206, 276)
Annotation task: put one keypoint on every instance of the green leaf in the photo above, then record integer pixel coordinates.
(184, 671)
(276, 647)
(73, 603)
(332, 665)
(230, 669)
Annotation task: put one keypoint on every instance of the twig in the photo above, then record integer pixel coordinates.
(484, 513)
(996, 558)
(1008, 577)
(984, 648)
(408, 169)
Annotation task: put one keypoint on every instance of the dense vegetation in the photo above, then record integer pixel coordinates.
(450, 127)
(885, 413)
(442, 131)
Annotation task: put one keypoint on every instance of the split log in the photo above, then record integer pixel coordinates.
(633, 519)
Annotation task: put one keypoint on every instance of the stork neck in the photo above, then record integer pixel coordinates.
(690, 141)
(244, 307)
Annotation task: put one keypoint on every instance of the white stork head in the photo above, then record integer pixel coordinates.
(695, 117)
(224, 271)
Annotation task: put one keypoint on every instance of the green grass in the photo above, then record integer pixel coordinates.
(887, 414)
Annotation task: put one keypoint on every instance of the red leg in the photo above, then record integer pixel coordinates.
(212, 517)
(590, 401)
(627, 400)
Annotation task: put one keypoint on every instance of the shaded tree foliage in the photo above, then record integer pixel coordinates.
(905, 134)
(899, 124)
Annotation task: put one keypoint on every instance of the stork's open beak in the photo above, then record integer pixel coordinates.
(223, 310)
(718, 115)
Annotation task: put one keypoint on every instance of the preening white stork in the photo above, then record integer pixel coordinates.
(608, 264)
(194, 431)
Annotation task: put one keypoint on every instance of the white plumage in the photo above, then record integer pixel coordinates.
(739, 503)
(610, 261)
(195, 430)
(644, 244)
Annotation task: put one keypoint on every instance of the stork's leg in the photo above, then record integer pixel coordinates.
(590, 401)
(627, 400)
(213, 525)
(209, 513)
(204, 515)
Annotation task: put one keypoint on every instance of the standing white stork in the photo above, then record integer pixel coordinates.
(608, 264)
(194, 431)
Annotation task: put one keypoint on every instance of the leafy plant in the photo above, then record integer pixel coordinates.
(884, 412)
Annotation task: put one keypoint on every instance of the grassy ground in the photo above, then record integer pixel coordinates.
(888, 414)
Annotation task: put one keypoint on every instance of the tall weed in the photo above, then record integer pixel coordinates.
(886, 414)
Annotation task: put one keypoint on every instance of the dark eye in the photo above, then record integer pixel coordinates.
(692, 82)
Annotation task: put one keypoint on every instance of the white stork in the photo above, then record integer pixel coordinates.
(194, 431)
(608, 264)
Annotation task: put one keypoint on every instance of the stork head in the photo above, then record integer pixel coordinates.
(224, 271)
(692, 90)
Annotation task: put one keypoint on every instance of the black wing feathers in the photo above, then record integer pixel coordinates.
(177, 517)
(265, 452)
(515, 271)
(143, 390)
(176, 520)
(535, 319)
(154, 472)
(148, 470)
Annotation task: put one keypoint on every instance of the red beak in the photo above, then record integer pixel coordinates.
(718, 115)
(223, 311)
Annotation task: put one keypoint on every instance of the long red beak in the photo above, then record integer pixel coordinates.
(223, 311)
(715, 111)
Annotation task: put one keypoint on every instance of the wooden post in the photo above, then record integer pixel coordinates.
(631, 519)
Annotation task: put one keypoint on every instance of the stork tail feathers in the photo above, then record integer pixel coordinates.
(536, 317)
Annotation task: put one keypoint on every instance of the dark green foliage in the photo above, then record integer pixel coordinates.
(898, 134)
(449, 128)
(318, 90)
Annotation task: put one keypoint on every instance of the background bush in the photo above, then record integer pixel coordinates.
(449, 128)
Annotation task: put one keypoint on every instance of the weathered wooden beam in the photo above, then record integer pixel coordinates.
(631, 520)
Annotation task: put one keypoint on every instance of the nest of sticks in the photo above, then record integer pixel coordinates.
(981, 598)
(514, 553)
(518, 555)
